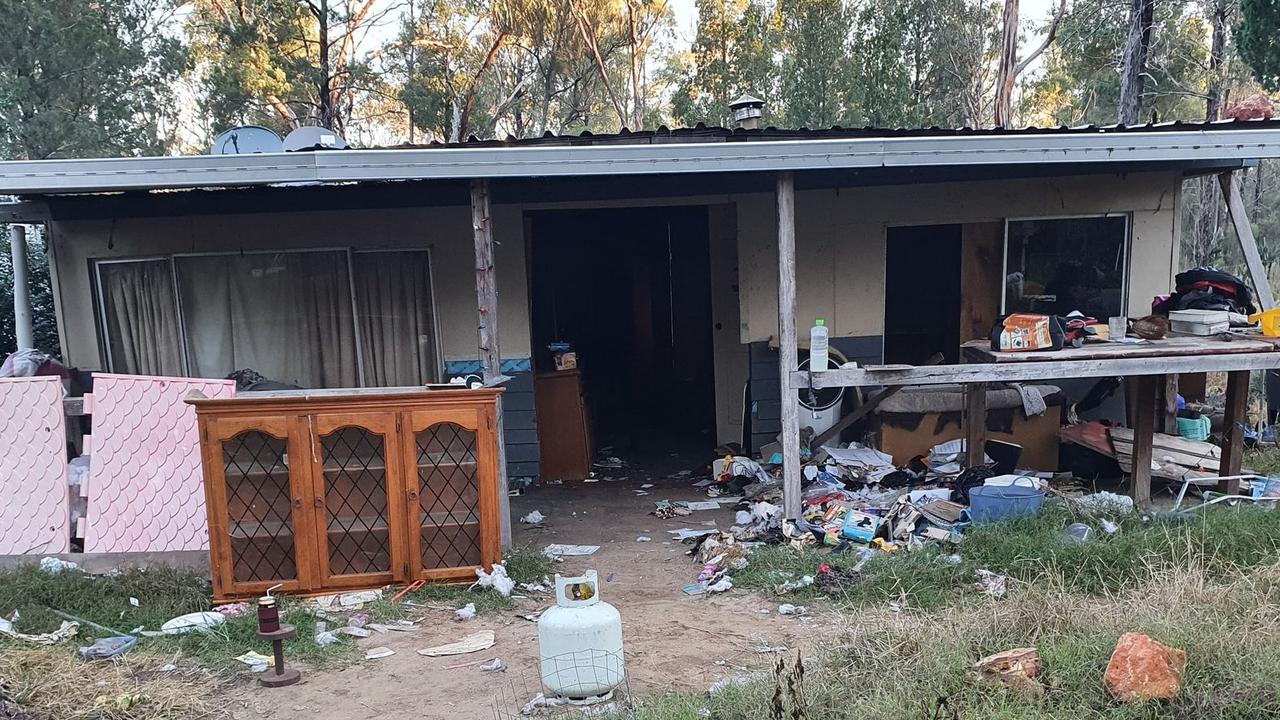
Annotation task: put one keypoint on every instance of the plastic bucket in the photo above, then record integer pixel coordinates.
(987, 503)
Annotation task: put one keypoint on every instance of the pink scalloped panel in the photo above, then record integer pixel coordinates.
(144, 486)
(34, 505)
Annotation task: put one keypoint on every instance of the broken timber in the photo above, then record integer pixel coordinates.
(490, 357)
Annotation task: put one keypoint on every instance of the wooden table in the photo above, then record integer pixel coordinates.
(1144, 365)
(1162, 359)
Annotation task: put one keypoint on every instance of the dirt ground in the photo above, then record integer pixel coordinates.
(673, 642)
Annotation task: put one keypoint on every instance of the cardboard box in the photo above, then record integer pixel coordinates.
(566, 360)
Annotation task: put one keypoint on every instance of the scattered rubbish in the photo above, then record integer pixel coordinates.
(378, 652)
(134, 602)
(1077, 533)
(989, 503)
(496, 578)
(465, 612)
(644, 538)
(382, 628)
(233, 609)
(494, 665)
(1109, 527)
(533, 616)
(354, 631)
(256, 661)
(703, 505)
(609, 577)
(64, 631)
(193, 622)
(474, 642)
(991, 583)
(539, 702)
(53, 565)
(560, 550)
(793, 585)
(646, 486)
(723, 584)
(767, 649)
(108, 647)
(1016, 669)
(533, 518)
(723, 684)
(789, 609)
(323, 637)
(538, 587)
(358, 599)
(689, 533)
(1106, 501)
(1143, 669)
(665, 509)
(167, 668)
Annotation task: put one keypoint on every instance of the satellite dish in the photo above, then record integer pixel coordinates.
(246, 140)
(313, 138)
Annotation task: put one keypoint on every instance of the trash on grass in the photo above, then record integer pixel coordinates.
(789, 609)
(991, 583)
(561, 550)
(354, 631)
(466, 612)
(533, 518)
(193, 622)
(378, 652)
(540, 701)
(64, 631)
(496, 579)
(494, 665)
(53, 565)
(474, 642)
(1016, 669)
(644, 538)
(108, 647)
(256, 660)
(233, 609)
(323, 637)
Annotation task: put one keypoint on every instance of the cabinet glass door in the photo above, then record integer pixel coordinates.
(452, 494)
(254, 508)
(353, 481)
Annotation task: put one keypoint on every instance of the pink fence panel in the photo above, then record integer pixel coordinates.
(144, 487)
(34, 505)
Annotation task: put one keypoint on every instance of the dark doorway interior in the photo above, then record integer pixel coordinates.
(629, 288)
(922, 293)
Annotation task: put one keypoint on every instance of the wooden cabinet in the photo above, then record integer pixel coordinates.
(321, 491)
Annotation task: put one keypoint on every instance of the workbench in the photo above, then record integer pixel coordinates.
(1144, 366)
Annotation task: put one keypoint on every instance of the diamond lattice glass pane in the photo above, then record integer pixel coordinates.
(355, 495)
(258, 506)
(448, 496)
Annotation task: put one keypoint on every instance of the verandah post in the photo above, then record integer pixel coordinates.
(786, 194)
(490, 357)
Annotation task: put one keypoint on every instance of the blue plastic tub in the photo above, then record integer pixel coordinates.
(988, 503)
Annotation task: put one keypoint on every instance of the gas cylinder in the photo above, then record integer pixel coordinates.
(580, 642)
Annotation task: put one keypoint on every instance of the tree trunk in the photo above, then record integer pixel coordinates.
(1217, 73)
(1134, 60)
(1007, 75)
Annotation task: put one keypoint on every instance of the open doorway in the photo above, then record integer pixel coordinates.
(628, 289)
(922, 293)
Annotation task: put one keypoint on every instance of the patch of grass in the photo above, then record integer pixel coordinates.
(895, 666)
(528, 565)
(1265, 461)
(1223, 541)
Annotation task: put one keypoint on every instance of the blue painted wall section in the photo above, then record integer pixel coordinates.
(520, 428)
(766, 408)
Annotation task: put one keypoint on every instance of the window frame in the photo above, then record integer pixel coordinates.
(100, 317)
(1127, 242)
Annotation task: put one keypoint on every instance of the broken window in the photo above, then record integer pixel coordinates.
(1055, 266)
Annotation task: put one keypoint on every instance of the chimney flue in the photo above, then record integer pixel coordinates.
(747, 111)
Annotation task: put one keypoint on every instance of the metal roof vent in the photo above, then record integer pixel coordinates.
(747, 111)
(246, 140)
(313, 138)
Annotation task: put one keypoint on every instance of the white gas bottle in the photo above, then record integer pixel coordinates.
(580, 642)
(819, 353)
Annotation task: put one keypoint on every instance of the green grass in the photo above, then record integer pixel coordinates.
(1209, 585)
(1223, 541)
(164, 593)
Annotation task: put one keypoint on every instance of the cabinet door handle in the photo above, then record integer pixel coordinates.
(297, 503)
(413, 494)
(319, 502)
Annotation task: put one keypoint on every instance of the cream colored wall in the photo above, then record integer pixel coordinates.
(840, 239)
(730, 357)
(447, 231)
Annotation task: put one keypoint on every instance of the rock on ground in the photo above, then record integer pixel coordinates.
(1144, 669)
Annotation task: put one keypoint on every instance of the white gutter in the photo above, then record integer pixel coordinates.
(336, 166)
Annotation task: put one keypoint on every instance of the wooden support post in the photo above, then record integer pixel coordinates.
(1169, 396)
(490, 356)
(975, 423)
(1143, 413)
(1248, 246)
(1233, 430)
(787, 343)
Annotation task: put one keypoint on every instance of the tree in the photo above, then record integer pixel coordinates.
(732, 53)
(814, 39)
(1133, 64)
(86, 79)
(1010, 66)
(1256, 40)
(284, 63)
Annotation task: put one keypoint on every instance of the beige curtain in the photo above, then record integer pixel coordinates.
(141, 318)
(285, 315)
(396, 319)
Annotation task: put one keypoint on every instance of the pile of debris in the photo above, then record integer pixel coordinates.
(1172, 457)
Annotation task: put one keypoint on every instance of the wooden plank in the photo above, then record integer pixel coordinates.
(863, 410)
(1165, 455)
(787, 343)
(981, 280)
(980, 351)
(1233, 432)
(975, 423)
(1144, 428)
(73, 406)
(1019, 372)
(1173, 443)
(1248, 245)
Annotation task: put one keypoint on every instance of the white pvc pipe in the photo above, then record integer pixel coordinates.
(22, 327)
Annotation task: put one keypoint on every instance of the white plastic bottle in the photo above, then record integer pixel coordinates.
(818, 356)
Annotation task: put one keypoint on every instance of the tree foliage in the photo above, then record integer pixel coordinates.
(1258, 40)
